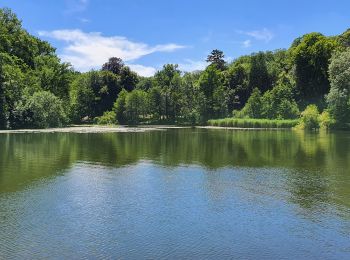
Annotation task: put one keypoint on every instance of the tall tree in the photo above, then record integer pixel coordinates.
(93, 93)
(237, 83)
(217, 57)
(345, 38)
(168, 79)
(114, 65)
(258, 74)
(120, 107)
(53, 75)
(16, 41)
(211, 85)
(128, 78)
(339, 97)
(310, 56)
(190, 102)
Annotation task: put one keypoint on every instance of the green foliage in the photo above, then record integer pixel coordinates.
(42, 110)
(128, 79)
(339, 105)
(190, 99)
(211, 86)
(310, 118)
(53, 75)
(93, 93)
(2, 102)
(108, 118)
(279, 103)
(17, 42)
(253, 123)
(155, 102)
(136, 106)
(260, 70)
(310, 56)
(258, 75)
(254, 105)
(325, 120)
(216, 58)
(145, 83)
(130, 107)
(81, 98)
(169, 80)
(236, 80)
(344, 38)
(113, 65)
(28, 66)
(120, 107)
(338, 98)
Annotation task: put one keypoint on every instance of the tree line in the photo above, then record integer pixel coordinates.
(38, 90)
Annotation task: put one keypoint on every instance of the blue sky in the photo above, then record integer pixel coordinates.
(150, 33)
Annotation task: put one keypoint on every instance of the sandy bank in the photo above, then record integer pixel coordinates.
(92, 129)
(121, 129)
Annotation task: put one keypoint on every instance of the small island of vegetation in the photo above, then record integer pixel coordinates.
(307, 85)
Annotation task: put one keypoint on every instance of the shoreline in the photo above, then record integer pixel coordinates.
(124, 129)
(86, 129)
(243, 128)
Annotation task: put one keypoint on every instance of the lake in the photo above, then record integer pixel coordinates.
(175, 194)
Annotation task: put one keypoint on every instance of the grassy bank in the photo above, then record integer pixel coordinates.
(253, 123)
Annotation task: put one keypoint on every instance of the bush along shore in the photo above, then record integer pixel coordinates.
(253, 123)
(310, 119)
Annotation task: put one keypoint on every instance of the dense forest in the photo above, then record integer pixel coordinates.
(310, 80)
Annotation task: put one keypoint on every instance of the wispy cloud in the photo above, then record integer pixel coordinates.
(86, 51)
(261, 35)
(190, 65)
(246, 43)
(146, 71)
(75, 6)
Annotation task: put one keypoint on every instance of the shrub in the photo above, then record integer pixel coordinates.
(339, 105)
(42, 110)
(108, 118)
(279, 103)
(326, 121)
(253, 107)
(310, 118)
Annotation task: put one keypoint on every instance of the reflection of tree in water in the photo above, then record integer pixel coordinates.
(24, 158)
(27, 157)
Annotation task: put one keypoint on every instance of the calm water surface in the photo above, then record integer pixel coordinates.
(185, 193)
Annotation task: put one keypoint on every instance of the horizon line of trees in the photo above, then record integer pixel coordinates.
(38, 90)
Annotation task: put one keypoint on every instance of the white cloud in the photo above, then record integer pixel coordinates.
(246, 43)
(145, 71)
(86, 51)
(191, 65)
(261, 35)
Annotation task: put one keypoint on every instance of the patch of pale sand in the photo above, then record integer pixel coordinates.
(92, 129)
